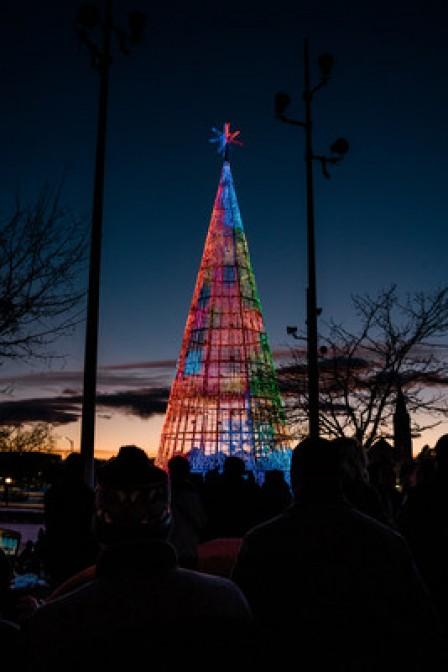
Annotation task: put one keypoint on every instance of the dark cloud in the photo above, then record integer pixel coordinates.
(431, 379)
(143, 403)
(45, 378)
(154, 364)
(72, 380)
(339, 362)
(292, 378)
(299, 368)
(430, 349)
(57, 410)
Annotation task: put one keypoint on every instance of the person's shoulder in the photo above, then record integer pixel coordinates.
(375, 529)
(206, 581)
(217, 589)
(342, 516)
(364, 520)
(273, 527)
(67, 606)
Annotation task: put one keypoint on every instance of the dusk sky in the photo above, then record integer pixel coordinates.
(381, 219)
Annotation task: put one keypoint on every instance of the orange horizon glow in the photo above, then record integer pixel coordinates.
(120, 430)
(111, 433)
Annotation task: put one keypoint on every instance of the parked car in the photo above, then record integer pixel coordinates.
(27, 522)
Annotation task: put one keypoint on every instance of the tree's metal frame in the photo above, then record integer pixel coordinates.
(225, 398)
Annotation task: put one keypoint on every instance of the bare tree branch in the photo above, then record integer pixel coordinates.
(361, 371)
(42, 250)
(16, 439)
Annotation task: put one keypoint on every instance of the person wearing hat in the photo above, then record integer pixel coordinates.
(141, 605)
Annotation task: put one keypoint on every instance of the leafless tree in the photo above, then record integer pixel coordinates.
(37, 437)
(361, 371)
(41, 251)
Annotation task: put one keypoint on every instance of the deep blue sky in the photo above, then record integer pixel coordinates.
(381, 219)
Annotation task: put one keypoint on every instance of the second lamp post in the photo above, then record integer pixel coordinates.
(338, 149)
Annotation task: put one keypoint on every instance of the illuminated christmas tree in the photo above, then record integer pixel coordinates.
(225, 399)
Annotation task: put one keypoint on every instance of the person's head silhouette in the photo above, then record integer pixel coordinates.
(353, 460)
(132, 499)
(234, 468)
(315, 469)
(179, 468)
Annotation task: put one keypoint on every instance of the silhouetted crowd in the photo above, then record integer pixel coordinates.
(342, 570)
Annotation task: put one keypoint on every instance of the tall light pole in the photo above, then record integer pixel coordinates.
(89, 20)
(338, 149)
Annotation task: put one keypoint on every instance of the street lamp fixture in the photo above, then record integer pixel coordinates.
(292, 331)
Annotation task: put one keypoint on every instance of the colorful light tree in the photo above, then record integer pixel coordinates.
(225, 399)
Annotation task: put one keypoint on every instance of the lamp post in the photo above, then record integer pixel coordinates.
(338, 149)
(88, 21)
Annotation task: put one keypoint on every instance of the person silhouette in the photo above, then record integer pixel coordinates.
(234, 505)
(189, 519)
(275, 494)
(424, 523)
(141, 606)
(69, 544)
(336, 584)
(355, 482)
